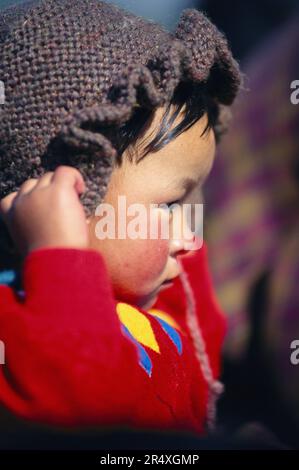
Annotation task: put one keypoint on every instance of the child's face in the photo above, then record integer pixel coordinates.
(138, 267)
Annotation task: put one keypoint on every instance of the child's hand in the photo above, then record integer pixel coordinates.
(47, 212)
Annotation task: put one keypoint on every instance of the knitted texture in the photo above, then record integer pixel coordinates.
(215, 387)
(72, 67)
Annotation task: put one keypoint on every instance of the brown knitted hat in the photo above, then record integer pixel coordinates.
(72, 67)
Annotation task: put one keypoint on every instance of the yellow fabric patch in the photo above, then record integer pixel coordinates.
(164, 316)
(138, 325)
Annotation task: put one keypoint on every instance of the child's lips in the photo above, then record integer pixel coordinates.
(166, 284)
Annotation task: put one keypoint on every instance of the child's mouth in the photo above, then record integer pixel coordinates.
(166, 284)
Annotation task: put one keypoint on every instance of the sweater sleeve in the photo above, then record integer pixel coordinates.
(67, 360)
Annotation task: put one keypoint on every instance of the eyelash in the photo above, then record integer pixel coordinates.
(168, 204)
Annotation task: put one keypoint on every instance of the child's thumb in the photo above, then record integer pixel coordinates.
(68, 176)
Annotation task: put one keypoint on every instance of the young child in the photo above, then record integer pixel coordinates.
(101, 104)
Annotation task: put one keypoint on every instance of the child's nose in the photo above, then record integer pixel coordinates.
(181, 246)
(182, 237)
(177, 247)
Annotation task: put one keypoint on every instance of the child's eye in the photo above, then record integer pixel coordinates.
(172, 205)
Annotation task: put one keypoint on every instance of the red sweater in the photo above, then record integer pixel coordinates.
(75, 356)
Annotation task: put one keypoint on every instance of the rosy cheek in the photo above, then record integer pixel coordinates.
(151, 254)
(156, 255)
(150, 260)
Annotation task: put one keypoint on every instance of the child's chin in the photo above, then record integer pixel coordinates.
(144, 302)
(148, 302)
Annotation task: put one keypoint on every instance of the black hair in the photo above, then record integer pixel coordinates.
(190, 99)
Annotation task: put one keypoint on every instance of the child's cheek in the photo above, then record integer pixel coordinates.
(151, 255)
(148, 261)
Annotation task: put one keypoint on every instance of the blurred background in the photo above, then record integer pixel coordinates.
(252, 211)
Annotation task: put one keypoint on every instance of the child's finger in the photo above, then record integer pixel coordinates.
(7, 202)
(69, 176)
(45, 180)
(27, 186)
